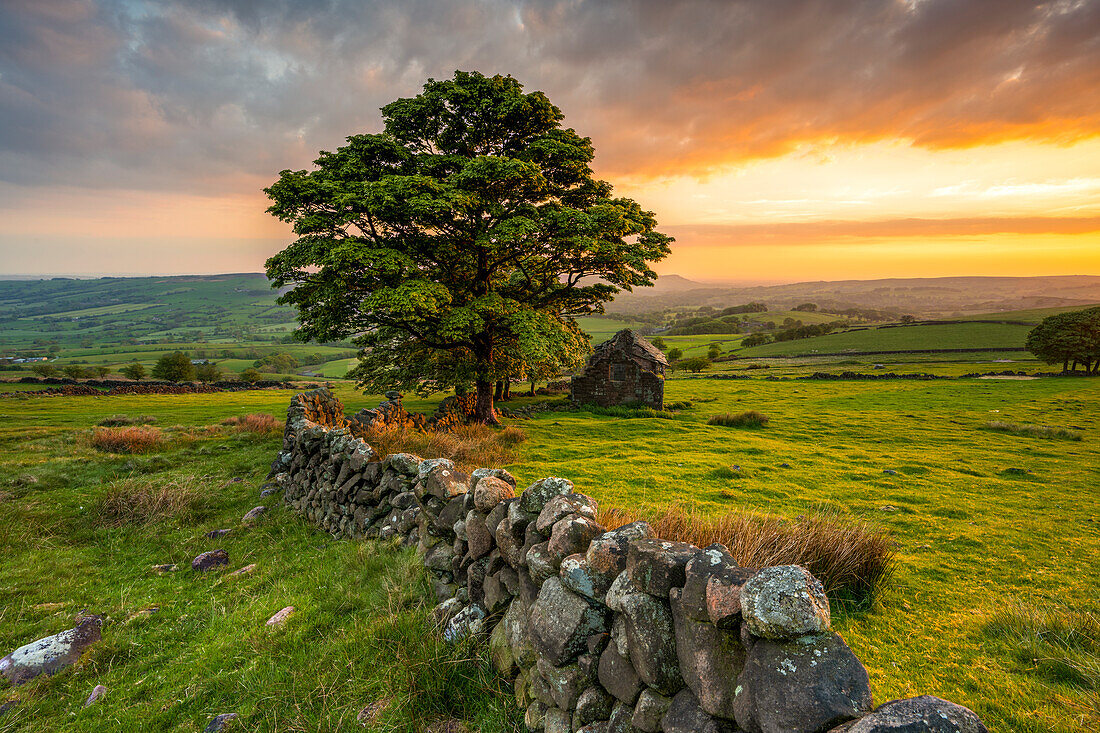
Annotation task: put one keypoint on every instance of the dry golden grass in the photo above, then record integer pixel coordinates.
(127, 440)
(259, 422)
(134, 503)
(469, 446)
(850, 558)
(748, 419)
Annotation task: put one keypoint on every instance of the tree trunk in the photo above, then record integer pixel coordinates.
(1065, 365)
(507, 390)
(532, 388)
(483, 408)
(498, 392)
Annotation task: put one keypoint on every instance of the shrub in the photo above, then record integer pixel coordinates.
(748, 419)
(130, 502)
(850, 558)
(116, 421)
(208, 372)
(127, 440)
(251, 375)
(258, 422)
(174, 367)
(44, 370)
(695, 364)
(135, 371)
(1032, 431)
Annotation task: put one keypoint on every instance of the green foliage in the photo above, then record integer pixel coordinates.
(695, 364)
(44, 369)
(673, 354)
(659, 343)
(459, 244)
(1068, 337)
(714, 351)
(73, 371)
(755, 339)
(251, 375)
(281, 363)
(807, 307)
(174, 367)
(135, 371)
(208, 372)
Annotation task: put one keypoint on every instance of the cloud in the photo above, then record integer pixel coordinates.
(218, 95)
(838, 231)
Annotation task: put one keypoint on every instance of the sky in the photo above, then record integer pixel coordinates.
(776, 140)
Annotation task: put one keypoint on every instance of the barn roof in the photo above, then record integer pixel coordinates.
(631, 344)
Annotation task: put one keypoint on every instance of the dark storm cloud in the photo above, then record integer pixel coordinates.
(216, 95)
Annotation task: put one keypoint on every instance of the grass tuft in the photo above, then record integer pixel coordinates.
(850, 558)
(132, 503)
(1032, 431)
(1052, 642)
(627, 411)
(749, 419)
(260, 423)
(118, 421)
(127, 440)
(469, 446)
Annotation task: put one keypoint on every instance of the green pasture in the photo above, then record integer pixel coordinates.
(986, 524)
(897, 338)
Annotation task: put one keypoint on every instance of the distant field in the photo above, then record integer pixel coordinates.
(1033, 315)
(902, 338)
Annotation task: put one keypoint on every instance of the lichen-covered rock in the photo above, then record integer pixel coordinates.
(480, 542)
(540, 563)
(50, 654)
(406, 464)
(443, 480)
(252, 515)
(593, 705)
(561, 621)
(563, 505)
(556, 720)
(784, 602)
(500, 650)
(571, 535)
(534, 715)
(651, 639)
(710, 659)
(619, 722)
(210, 560)
(470, 621)
(479, 473)
(536, 495)
(656, 566)
(686, 716)
(220, 723)
(491, 491)
(566, 682)
(617, 675)
(924, 714)
(712, 587)
(280, 617)
(579, 577)
(649, 710)
(807, 685)
(597, 727)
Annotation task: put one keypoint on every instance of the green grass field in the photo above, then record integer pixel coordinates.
(993, 529)
(902, 338)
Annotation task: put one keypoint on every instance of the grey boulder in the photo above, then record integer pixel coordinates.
(51, 654)
(924, 714)
(784, 602)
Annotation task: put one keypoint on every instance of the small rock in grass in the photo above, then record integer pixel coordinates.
(253, 514)
(215, 534)
(280, 617)
(370, 713)
(924, 713)
(97, 692)
(165, 568)
(889, 472)
(245, 570)
(210, 560)
(220, 723)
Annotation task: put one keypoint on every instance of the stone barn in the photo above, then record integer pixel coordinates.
(624, 369)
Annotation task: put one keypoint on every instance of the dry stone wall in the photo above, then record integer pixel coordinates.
(601, 631)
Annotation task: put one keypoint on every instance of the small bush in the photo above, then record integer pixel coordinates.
(681, 405)
(117, 421)
(749, 419)
(127, 440)
(258, 422)
(850, 558)
(512, 435)
(130, 503)
(1032, 431)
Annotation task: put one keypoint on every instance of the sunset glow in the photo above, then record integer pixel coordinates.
(867, 140)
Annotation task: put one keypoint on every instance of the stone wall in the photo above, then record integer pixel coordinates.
(601, 631)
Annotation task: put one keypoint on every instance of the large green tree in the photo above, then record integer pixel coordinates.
(1068, 338)
(459, 242)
